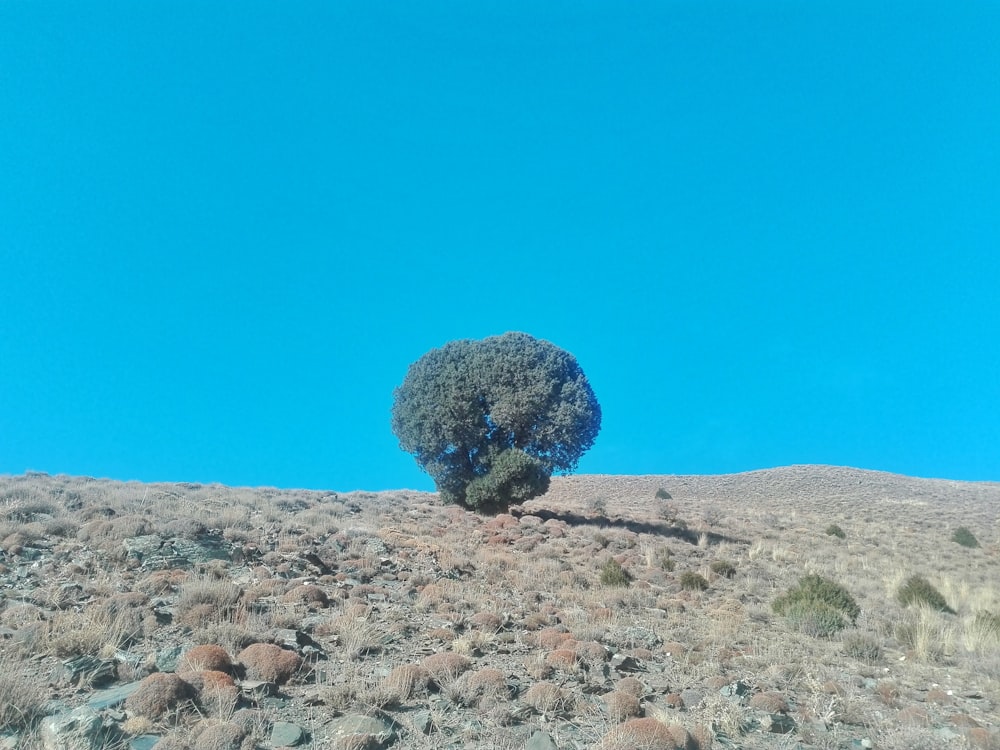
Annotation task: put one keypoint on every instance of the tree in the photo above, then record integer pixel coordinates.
(492, 420)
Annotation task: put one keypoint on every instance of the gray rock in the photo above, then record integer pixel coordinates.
(626, 664)
(691, 698)
(84, 670)
(380, 733)
(143, 742)
(540, 741)
(167, 659)
(80, 729)
(112, 696)
(286, 734)
(777, 724)
(737, 692)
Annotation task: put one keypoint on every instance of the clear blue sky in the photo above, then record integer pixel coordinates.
(769, 231)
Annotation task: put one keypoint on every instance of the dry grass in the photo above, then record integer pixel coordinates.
(388, 604)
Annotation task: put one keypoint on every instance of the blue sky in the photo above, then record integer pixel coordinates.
(768, 231)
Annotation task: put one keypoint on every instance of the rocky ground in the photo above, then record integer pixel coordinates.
(613, 612)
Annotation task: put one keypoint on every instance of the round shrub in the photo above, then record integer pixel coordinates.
(818, 606)
(723, 568)
(966, 538)
(270, 663)
(157, 694)
(918, 590)
(613, 574)
(834, 530)
(691, 581)
(210, 657)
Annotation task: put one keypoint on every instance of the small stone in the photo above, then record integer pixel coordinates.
(691, 698)
(375, 731)
(286, 734)
(736, 691)
(144, 742)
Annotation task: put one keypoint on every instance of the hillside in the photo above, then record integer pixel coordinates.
(203, 616)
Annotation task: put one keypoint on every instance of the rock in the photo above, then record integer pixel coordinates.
(540, 741)
(143, 742)
(377, 732)
(736, 692)
(777, 724)
(80, 729)
(112, 696)
(286, 734)
(84, 670)
(168, 658)
(626, 664)
(691, 698)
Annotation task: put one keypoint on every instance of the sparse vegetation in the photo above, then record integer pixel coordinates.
(966, 538)
(452, 630)
(919, 591)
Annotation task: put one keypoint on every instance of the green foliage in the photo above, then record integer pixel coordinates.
(919, 591)
(514, 477)
(834, 530)
(966, 538)
(613, 574)
(666, 559)
(723, 568)
(511, 406)
(863, 647)
(692, 581)
(818, 606)
(662, 494)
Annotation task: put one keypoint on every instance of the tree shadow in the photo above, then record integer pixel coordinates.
(639, 527)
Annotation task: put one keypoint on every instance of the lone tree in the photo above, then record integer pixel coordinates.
(491, 420)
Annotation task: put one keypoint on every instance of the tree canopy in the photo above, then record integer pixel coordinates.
(491, 420)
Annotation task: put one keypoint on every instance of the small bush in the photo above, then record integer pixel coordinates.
(863, 647)
(966, 538)
(666, 559)
(662, 494)
(613, 574)
(834, 530)
(691, 581)
(818, 606)
(919, 591)
(158, 694)
(270, 663)
(723, 568)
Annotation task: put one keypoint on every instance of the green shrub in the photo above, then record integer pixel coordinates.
(723, 568)
(834, 530)
(818, 606)
(964, 537)
(862, 646)
(662, 494)
(691, 581)
(613, 574)
(919, 591)
(665, 558)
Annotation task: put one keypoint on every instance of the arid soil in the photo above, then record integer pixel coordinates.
(614, 612)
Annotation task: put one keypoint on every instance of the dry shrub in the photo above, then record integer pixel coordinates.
(22, 693)
(206, 657)
(157, 694)
(308, 594)
(216, 692)
(547, 698)
(406, 680)
(203, 601)
(622, 706)
(445, 667)
(211, 735)
(771, 702)
(488, 683)
(489, 622)
(552, 638)
(270, 663)
(646, 734)
(631, 685)
(562, 658)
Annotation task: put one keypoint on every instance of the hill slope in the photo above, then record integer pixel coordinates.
(401, 621)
